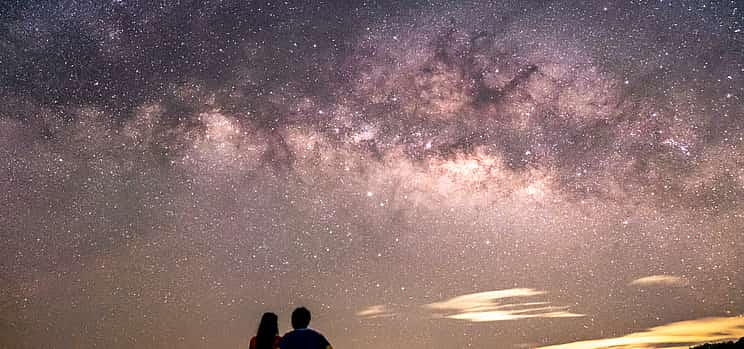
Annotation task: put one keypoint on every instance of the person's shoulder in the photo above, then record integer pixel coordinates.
(281, 341)
(319, 336)
(289, 334)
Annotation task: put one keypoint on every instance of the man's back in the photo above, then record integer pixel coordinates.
(303, 338)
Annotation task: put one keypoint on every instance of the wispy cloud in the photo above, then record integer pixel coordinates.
(375, 311)
(659, 280)
(677, 335)
(493, 306)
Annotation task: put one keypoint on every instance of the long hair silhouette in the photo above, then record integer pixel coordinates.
(268, 329)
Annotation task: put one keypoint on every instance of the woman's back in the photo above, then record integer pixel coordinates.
(274, 344)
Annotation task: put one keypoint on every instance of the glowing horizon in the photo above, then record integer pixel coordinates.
(686, 333)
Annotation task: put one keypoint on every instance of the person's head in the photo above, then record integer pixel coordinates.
(268, 327)
(300, 318)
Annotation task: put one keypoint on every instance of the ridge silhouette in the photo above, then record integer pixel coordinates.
(723, 345)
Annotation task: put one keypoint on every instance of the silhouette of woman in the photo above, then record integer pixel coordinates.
(268, 333)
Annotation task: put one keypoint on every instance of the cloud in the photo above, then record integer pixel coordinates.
(490, 306)
(676, 335)
(660, 280)
(375, 311)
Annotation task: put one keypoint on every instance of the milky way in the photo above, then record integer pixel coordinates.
(475, 174)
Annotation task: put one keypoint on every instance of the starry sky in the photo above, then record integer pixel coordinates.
(496, 174)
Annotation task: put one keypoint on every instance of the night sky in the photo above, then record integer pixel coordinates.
(419, 174)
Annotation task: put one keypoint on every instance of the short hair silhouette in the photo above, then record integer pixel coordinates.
(300, 318)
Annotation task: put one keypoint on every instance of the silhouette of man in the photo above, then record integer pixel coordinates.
(302, 337)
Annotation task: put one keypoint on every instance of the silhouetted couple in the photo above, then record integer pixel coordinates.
(299, 338)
